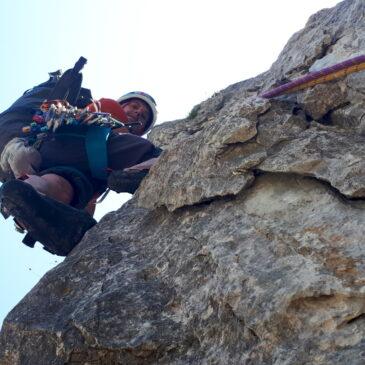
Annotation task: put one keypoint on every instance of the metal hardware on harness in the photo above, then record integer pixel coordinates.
(56, 113)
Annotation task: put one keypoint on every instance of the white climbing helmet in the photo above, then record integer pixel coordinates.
(149, 100)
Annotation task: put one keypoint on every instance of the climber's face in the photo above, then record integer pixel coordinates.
(137, 111)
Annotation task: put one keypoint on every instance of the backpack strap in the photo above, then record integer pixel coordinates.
(96, 149)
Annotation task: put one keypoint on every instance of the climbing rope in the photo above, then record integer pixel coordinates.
(334, 72)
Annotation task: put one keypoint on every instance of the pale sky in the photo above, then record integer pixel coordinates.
(181, 52)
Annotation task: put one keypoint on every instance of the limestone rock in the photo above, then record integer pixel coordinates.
(212, 165)
(243, 246)
(330, 156)
(321, 99)
(241, 280)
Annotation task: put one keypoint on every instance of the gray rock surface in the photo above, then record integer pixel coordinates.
(245, 243)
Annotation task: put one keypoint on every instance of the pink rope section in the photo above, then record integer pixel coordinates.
(338, 70)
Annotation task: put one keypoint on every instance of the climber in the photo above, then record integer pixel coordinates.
(124, 148)
(48, 199)
(65, 177)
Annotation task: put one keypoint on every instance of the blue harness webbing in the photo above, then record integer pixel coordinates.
(95, 139)
(96, 149)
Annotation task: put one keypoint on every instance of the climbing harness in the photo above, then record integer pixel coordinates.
(334, 72)
(54, 114)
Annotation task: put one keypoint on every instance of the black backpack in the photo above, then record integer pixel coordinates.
(65, 86)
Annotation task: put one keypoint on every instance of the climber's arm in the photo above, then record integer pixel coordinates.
(129, 179)
(145, 165)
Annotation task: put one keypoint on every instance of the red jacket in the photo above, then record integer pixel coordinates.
(108, 106)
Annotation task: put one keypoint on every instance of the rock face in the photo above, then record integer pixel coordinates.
(244, 245)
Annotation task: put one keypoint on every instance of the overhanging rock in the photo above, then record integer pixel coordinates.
(244, 245)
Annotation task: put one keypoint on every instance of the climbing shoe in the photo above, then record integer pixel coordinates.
(126, 181)
(58, 227)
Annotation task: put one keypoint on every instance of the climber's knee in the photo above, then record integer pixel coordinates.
(52, 185)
